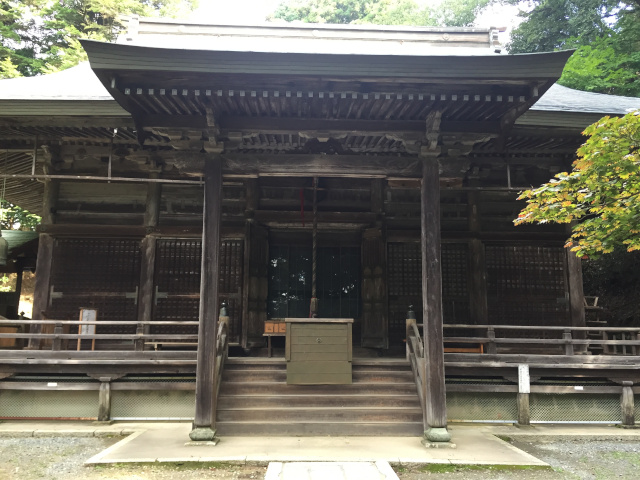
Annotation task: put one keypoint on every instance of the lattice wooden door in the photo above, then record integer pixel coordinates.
(405, 285)
(177, 283)
(374, 290)
(95, 273)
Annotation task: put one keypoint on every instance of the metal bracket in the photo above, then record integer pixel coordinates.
(53, 294)
(132, 295)
(159, 295)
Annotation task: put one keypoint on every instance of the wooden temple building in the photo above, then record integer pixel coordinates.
(310, 171)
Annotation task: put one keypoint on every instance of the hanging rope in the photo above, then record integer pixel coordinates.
(313, 311)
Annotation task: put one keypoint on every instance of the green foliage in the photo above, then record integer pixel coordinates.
(41, 36)
(16, 218)
(599, 68)
(458, 13)
(561, 24)
(8, 69)
(606, 34)
(6, 285)
(602, 192)
(322, 11)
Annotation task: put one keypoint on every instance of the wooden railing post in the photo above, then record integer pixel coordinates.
(524, 389)
(409, 322)
(627, 404)
(139, 343)
(223, 318)
(568, 346)
(104, 400)
(56, 344)
(491, 346)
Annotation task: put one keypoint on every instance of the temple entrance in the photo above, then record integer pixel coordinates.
(338, 277)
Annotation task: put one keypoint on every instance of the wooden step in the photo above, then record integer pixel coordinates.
(255, 400)
(280, 375)
(322, 414)
(265, 402)
(351, 429)
(257, 388)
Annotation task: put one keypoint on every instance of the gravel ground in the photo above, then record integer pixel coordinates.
(570, 459)
(31, 458)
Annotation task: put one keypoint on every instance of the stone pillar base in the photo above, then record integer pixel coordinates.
(437, 438)
(204, 434)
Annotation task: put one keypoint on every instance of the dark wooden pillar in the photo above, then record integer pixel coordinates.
(50, 199)
(205, 417)
(576, 292)
(478, 308)
(41, 290)
(434, 394)
(147, 267)
(147, 272)
(152, 212)
(45, 259)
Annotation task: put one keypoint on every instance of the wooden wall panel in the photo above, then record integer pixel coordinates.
(177, 295)
(526, 285)
(96, 273)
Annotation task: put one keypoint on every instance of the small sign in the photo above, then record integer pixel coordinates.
(52, 384)
(88, 315)
(524, 380)
(578, 387)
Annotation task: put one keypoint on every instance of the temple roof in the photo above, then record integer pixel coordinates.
(80, 83)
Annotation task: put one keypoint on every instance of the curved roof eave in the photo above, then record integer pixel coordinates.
(119, 57)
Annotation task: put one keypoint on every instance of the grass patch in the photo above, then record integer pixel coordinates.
(631, 457)
(451, 468)
(178, 466)
(505, 438)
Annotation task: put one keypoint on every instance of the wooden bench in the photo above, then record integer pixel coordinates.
(273, 328)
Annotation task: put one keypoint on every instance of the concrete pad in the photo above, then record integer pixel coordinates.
(475, 445)
(165, 442)
(334, 470)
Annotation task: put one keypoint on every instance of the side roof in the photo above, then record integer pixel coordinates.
(565, 107)
(75, 91)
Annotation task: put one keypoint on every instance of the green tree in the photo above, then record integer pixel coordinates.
(40, 36)
(562, 24)
(602, 193)
(458, 13)
(16, 218)
(606, 34)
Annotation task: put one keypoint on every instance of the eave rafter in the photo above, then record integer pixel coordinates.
(197, 99)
